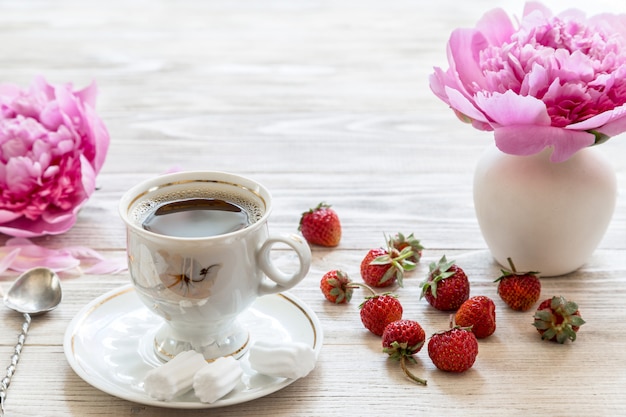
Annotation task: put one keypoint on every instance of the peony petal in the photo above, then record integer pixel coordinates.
(496, 27)
(7, 258)
(10, 91)
(88, 94)
(614, 128)
(464, 49)
(22, 174)
(20, 254)
(40, 84)
(83, 252)
(99, 135)
(610, 123)
(565, 143)
(437, 83)
(17, 241)
(69, 105)
(610, 23)
(535, 82)
(512, 109)
(537, 8)
(514, 140)
(460, 103)
(10, 230)
(88, 176)
(31, 228)
(8, 215)
(101, 265)
(31, 255)
(60, 218)
(50, 116)
(574, 67)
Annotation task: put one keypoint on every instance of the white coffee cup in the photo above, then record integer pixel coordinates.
(200, 285)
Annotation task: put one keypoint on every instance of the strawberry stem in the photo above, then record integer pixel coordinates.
(409, 373)
(364, 286)
(511, 265)
(403, 254)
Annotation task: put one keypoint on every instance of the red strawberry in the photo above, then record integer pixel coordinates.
(453, 350)
(479, 313)
(378, 311)
(446, 287)
(399, 242)
(383, 268)
(321, 226)
(519, 290)
(401, 340)
(557, 319)
(336, 286)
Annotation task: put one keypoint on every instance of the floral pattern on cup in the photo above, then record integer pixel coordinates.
(188, 277)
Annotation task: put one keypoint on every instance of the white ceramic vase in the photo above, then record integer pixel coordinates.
(548, 217)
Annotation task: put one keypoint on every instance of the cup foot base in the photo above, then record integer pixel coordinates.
(235, 344)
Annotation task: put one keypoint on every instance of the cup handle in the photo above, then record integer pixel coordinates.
(280, 281)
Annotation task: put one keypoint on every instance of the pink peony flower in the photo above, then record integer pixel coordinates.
(52, 146)
(551, 81)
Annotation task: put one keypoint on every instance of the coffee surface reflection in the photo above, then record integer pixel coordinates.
(197, 217)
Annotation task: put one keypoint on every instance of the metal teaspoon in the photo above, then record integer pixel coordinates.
(35, 292)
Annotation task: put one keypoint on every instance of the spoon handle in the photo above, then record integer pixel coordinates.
(15, 357)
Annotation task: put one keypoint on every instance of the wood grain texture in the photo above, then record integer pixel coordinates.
(318, 100)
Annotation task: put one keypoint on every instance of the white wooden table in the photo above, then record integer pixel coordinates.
(318, 100)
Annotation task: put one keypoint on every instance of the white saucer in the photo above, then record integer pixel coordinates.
(109, 344)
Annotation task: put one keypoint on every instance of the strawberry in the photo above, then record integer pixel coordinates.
(401, 340)
(519, 290)
(453, 350)
(321, 226)
(479, 314)
(446, 287)
(399, 242)
(378, 311)
(383, 268)
(557, 319)
(336, 286)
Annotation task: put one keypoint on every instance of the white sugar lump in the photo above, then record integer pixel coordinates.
(175, 377)
(282, 359)
(217, 379)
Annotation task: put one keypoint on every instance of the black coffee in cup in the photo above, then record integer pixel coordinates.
(197, 217)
